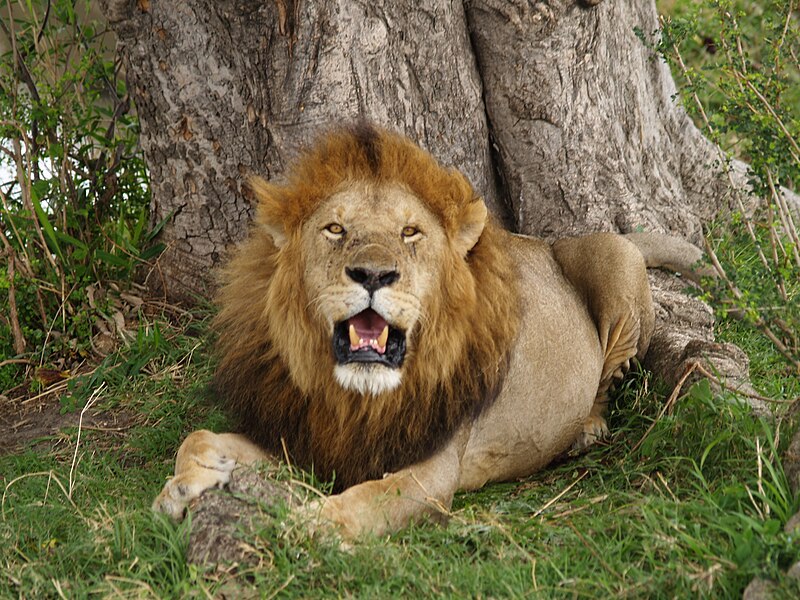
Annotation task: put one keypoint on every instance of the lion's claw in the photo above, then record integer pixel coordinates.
(594, 428)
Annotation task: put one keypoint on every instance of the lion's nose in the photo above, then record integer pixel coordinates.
(372, 280)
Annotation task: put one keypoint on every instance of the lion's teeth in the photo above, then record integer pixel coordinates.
(354, 341)
(383, 337)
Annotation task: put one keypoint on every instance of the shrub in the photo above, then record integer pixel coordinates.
(737, 66)
(73, 185)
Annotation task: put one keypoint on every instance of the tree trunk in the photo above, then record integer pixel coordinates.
(233, 87)
(589, 135)
(582, 134)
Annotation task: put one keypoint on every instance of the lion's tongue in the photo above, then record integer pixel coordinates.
(368, 330)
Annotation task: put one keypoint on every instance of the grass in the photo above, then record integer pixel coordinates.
(696, 509)
(689, 503)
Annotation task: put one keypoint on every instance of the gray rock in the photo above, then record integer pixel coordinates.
(224, 521)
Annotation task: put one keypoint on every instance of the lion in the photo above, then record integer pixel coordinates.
(380, 328)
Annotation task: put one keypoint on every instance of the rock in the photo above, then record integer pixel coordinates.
(759, 589)
(224, 521)
(791, 466)
(793, 523)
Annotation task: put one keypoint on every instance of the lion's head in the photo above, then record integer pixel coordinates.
(370, 312)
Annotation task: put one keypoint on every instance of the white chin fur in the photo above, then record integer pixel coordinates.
(366, 378)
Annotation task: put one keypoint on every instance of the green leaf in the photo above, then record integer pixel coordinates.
(152, 251)
(64, 237)
(111, 259)
(138, 227)
(47, 227)
(154, 232)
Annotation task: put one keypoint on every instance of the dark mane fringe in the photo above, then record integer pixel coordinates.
(455, 367)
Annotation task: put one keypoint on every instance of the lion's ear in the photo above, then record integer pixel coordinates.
(269, 209)
(472, 222)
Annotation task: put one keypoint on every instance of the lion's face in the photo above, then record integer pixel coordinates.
(373, 254)
(370, 312)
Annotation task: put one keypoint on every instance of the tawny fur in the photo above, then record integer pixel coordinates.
(275, 358)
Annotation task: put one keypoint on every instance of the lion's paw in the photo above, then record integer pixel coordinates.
(325, 516)
(594, 428)
(178, 492)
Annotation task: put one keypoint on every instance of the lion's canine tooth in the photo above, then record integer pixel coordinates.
(354, 341)
(383, 337)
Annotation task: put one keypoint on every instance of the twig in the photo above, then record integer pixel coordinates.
(58, 387)
(430, 500)
(307, 487)
(778, 120)
(15, 361)
(560, 495)
(109, 429)
(785, 214)
(27, 199)
(19, 339)
(759, 321)
(668, 404)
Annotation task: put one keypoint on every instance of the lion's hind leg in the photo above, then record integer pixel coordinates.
(205, 461)
(610, 274)
(620, 343)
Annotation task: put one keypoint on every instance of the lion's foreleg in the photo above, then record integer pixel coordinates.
(423, 491)
(205, 460)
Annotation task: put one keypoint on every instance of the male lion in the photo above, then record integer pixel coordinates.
(379, 327)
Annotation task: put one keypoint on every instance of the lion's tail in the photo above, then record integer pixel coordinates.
(665, 251)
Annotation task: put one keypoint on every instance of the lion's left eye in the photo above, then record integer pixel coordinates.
(333, 230)
(409, 232)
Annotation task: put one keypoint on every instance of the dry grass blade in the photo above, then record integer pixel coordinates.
(89, 402)
(51, 476)
(560, 495)
(668, 404)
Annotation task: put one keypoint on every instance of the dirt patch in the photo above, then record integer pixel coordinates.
(24, 420)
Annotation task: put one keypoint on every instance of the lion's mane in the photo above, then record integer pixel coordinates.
(276, 365)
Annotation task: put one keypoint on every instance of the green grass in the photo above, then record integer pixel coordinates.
(690, 503)
(681, 514)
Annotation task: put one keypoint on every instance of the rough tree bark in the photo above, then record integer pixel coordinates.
(582, 132)
(233, 87)
(589, 135)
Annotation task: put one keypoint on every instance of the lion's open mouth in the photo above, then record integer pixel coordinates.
(367, 337)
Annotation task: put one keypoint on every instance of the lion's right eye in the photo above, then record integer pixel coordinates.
(333, 230)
